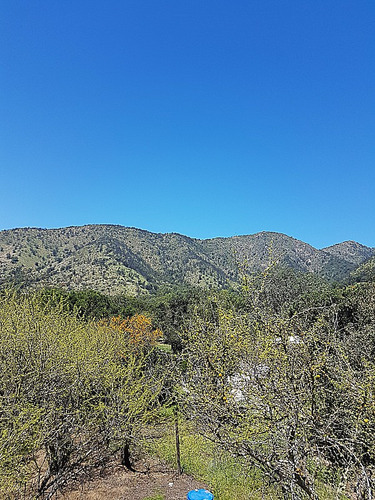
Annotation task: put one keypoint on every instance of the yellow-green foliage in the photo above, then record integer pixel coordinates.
(290, 397)
(71, 393)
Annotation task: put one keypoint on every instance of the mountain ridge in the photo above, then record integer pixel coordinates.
(118, 259)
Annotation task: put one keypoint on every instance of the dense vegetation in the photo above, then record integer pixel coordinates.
(116, 259)
(72, 392)
(278, 377)
(290, 392)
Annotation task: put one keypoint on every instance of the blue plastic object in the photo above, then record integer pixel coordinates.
(200, 495)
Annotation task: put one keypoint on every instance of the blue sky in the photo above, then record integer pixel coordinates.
(207, 118)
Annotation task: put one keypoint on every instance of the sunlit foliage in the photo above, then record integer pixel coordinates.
(72, 394)
(137, 329)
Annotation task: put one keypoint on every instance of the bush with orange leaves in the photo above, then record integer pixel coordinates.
(138, 329)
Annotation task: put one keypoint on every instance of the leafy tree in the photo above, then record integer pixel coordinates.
(138, 330)
(88, 304)
(292, 395)
(72, 394)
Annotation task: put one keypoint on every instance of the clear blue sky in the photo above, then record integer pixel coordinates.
(203, 117)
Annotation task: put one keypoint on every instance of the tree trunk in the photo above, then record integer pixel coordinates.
(126, 457)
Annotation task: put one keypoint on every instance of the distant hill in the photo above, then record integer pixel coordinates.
(115, 259)
(351, 251)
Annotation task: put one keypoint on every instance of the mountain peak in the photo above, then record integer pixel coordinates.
(351, 251)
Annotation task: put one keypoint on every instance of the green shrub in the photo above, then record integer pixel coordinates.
(72, 394)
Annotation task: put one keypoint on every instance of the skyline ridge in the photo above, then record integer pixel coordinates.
(189, 236)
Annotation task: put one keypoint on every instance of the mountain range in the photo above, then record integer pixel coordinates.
(116, 259)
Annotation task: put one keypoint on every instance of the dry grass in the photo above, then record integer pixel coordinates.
(117, 483)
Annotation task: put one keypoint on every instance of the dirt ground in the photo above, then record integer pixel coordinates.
(117, 483)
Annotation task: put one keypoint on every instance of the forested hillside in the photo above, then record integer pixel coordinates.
(116, 259)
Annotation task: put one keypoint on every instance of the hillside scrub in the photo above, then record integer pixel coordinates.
(72, 393)
(288, 391)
